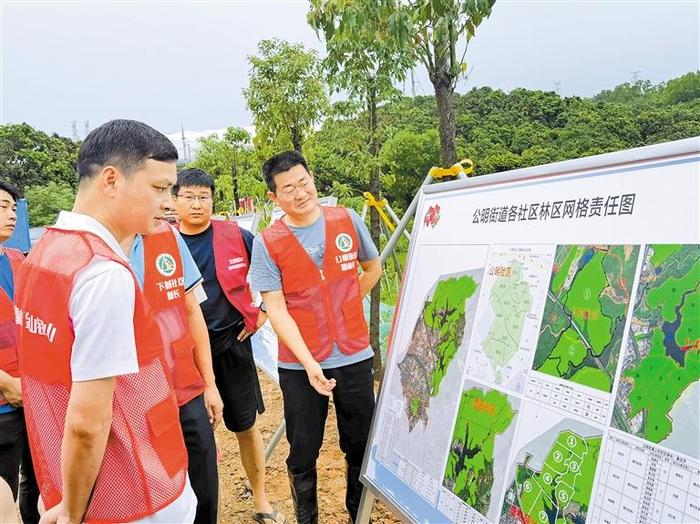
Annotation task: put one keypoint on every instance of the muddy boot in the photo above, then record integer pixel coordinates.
(304, 496)
(353, 491)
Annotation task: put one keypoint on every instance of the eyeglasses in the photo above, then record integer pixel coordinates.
(190, 199)
(291, 191)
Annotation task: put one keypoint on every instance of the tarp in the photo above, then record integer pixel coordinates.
(20, 238)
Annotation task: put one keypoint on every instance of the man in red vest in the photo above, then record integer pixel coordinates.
(172, 285)
(222, 250)
(306, 267)
(101, 414)
(14, 449)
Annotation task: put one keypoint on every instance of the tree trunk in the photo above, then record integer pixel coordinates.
(374, 228)
(297, 139)
(443, 83)
(234, 183)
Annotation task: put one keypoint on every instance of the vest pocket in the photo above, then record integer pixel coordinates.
(306, 320)
(186, 372)
(166, 435)
(354, 315)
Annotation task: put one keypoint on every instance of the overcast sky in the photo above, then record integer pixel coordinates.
(168, 63)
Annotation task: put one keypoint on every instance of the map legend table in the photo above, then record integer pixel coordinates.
(589, 405)
(641, 483)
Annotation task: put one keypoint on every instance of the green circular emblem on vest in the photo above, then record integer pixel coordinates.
(165, 264)
(343, 242)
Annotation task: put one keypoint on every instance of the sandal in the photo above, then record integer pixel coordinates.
(274, 516)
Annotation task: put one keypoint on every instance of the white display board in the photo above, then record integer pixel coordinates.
(249, 221)
(545, 357)
(264, 342)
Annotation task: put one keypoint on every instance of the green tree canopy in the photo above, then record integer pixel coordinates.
(286, 94)
(230, 159)
(45, 201)
(31, 157)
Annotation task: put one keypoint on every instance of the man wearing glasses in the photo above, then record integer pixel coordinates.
(221, 251)
(306, 267)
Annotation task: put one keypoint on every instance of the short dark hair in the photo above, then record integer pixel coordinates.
(280, 163)
(192, 177)
(126, 144)
(14, 192)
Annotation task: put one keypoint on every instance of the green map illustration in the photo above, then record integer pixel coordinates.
(434, 343)
(559, 490)
(662, 360)
(511, 301)
(585, 312)
(482, 418)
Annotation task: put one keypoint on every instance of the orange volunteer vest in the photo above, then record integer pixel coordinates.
(145, 462)
(325, 304)
(231, 261)
(8, 330)
(164, 288)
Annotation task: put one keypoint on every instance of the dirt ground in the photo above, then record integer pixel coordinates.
(235, 504)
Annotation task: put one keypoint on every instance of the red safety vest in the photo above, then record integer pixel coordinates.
(144, 467)
(231, 260)
(8, 330)
(164, 288)
(325, 304)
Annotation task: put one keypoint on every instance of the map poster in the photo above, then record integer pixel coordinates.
(544, 365)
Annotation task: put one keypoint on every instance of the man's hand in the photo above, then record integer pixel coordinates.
(318, 380)
(57, 515)
(244, 334)
(214, 405)
(12, 390)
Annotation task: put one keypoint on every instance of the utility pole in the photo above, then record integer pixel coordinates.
(74, 126)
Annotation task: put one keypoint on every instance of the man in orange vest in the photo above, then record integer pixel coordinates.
(306, 267)
(101, 414)
(14, 449)
(221, 250)
(172, 285)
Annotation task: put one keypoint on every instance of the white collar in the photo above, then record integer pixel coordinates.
(71, 221)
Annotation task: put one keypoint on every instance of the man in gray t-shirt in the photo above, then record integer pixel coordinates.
(313, 295)
(266, 276)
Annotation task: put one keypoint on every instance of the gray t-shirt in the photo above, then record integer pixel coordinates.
(265, 275)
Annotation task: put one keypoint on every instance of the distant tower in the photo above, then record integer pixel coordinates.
(184, 144)
(635, 76)
(74, 125)
(87, 127)
(557, 86)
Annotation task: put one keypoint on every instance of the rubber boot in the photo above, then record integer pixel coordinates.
(353, 492)
(303, 488)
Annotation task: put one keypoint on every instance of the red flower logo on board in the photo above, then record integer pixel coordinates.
(432, 217)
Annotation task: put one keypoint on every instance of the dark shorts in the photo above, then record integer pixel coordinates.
(237, 381)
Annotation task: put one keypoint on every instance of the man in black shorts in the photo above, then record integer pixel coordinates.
(221, 250)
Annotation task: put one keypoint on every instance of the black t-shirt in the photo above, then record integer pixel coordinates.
(218, 312)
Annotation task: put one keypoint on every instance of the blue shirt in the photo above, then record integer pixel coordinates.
(7, 283)
(189, 268)
(266, 276)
